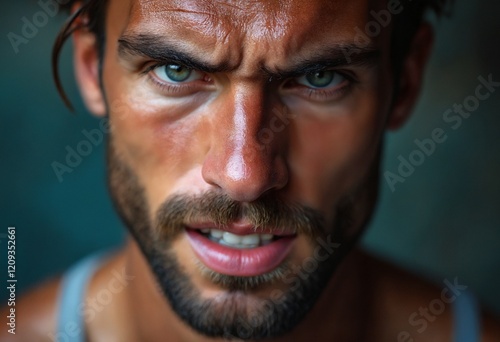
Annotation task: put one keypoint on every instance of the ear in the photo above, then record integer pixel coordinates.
(86, 64)
(411, 76)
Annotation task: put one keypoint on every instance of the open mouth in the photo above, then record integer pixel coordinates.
(240, 254)
(238, 241)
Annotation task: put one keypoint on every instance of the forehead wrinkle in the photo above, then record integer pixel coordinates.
(202, 17)
(195, 24)
(256, 19)
(254, 35)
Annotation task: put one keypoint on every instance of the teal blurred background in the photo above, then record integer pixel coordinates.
(442, 222)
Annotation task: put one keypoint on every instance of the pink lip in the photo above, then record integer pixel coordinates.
(239, 262)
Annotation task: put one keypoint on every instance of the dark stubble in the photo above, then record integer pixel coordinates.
(237, 314)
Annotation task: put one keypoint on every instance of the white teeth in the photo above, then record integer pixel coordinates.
(238, 241)
(231, 238)
(266, 237)
(216, 233)
(223, 242)
(250, 240)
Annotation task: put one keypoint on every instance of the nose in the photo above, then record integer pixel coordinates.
(247, 151)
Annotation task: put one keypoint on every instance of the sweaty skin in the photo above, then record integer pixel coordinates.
(205, 135)
(218, 131)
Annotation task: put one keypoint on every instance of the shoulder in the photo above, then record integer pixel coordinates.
(35, 314)
(409, 308)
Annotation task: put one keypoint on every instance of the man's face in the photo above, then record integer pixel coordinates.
(240, 117)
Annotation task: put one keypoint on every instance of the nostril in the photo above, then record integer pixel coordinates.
(280, 175)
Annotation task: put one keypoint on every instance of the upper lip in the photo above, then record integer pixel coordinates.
(242, 228)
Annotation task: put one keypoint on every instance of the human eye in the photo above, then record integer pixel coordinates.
(176, 73)
(322, 86)
(321, 79)
(174, 79)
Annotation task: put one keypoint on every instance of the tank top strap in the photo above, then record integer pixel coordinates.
(71, 325)
(467, 315)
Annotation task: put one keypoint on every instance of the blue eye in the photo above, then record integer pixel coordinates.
(321, 79)
(176, 73)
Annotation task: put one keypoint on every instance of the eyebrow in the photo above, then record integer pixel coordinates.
(159, 49)
(343, 55)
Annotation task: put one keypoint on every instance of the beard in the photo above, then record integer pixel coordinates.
(238, 313)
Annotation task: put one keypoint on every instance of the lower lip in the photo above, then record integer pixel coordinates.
(239, 262)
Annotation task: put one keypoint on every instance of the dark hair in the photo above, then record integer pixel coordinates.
(93, 13)
(93, 18)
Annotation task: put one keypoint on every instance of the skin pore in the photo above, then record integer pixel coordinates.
(247, 113)
(190, 88)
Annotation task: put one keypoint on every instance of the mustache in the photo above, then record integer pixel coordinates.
(267, 212)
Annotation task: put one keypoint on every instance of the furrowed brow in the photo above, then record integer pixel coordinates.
(336, 57)
(156, 48)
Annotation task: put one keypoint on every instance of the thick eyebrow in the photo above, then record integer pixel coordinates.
(159, 49)
(339, 56)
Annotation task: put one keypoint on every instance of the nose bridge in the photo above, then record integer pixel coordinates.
(249, 114)
(238, 162)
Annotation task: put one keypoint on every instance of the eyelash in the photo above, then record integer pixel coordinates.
(317, 94)
(169, 88)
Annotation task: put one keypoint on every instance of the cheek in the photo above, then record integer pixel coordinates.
(331, 157)
(158, 146)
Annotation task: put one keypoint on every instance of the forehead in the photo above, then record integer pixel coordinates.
(259, 19)
(230, 29)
